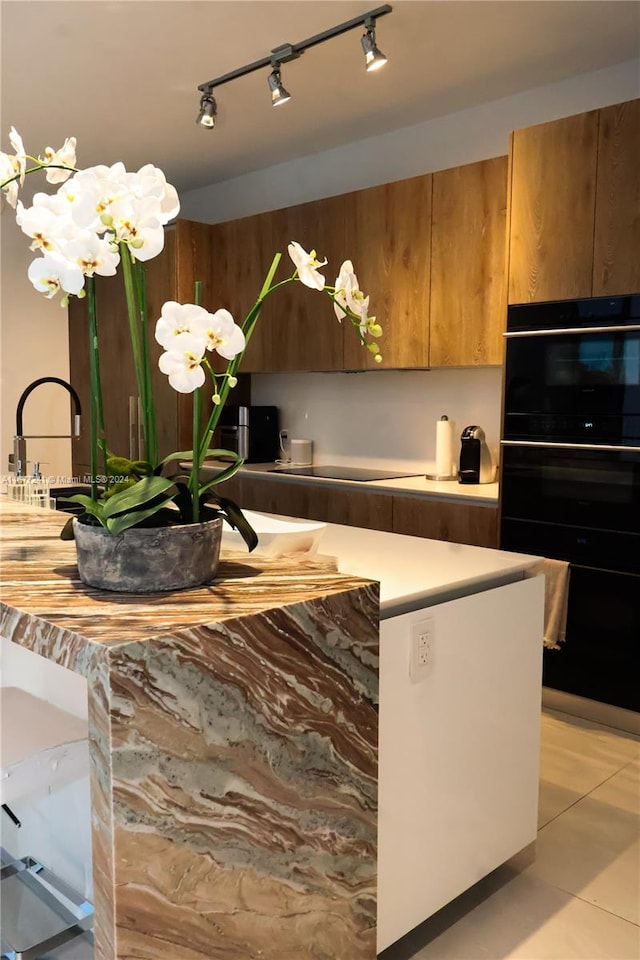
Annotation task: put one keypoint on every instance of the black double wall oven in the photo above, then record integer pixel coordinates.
(571, 479)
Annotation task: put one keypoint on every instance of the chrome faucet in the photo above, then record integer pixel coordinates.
(18, 460)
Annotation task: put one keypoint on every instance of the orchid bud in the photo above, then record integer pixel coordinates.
(216, 399)
(106, 219)
(233, 381)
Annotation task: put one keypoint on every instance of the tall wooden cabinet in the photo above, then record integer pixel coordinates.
(187, 257)
(575, 207)
(388, 239)
(616, 255)
(468, 240)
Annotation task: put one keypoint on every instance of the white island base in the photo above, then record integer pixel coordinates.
(458, 749)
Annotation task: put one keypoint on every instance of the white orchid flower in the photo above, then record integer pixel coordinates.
(136, 222)
(53, 272)
(222, 333)
(182, 363)
(307, 266)
(176, 318)
(95, 190)
(348, 293)
(344, 282)
(150, 181)
(93, 254)
(43, 226)
(20, 158)
(65, 156)
(7, 172)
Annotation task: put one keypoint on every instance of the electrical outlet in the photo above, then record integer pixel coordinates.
(421, 655)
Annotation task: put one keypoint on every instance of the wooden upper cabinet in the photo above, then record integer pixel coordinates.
(553, 189)
(242, 251)
(468, 241)
(298, 326)
(388, 239)
(616, 263)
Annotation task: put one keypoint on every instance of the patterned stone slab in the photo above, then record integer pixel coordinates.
(234, 750)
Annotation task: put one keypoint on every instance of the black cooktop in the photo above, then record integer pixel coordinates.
(344, 473)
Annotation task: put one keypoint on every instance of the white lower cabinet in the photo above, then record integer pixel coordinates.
(458, 748)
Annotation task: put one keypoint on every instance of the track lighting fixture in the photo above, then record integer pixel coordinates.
(278, 93)
(208, 110)
(374, 59)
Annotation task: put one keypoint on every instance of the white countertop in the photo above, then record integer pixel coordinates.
(481, 493)
(415, 572)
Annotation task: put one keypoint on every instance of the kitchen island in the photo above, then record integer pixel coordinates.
(233, 749)
(234, 738)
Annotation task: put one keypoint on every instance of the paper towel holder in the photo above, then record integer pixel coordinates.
(442, 476)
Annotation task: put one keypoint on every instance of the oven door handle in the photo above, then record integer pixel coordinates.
(622, 328)
(569, 446)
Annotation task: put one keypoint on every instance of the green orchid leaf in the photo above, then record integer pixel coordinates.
(234, 516)
(225, 474)
(188, 455)
(133, 497)
(94, 507)
(124, 521)
(67, 531)
(184, 501)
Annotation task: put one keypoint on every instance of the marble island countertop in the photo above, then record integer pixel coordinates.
(233, 748)
(481, 493)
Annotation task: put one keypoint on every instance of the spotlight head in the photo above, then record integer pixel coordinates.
(373, 58)
(278, 93)
(208, 110)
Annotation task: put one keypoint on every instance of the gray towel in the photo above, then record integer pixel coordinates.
(556, 595)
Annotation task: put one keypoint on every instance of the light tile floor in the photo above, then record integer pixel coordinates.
(580, 898)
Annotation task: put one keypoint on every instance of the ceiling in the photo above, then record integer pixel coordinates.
(121, 75)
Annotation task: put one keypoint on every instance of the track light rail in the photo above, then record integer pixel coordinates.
(291, 51)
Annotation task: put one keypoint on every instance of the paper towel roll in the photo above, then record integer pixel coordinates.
(444, 450)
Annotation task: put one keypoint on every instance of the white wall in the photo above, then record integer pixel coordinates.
(34, 331)
(33, 344)
(382, 418)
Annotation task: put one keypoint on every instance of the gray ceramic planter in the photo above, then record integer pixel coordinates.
(148, 560)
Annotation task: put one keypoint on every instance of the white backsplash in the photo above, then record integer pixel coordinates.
(383, 418)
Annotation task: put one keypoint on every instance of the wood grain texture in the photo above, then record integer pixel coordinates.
(233, 735)
(388, 239)
(440, 520)
(301, 325)
(468, 288)
(243, 251)
(553, 193)
(330, 503)
(616, 261)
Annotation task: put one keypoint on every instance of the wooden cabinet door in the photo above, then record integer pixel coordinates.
(242, 251)
(388, 239)
(329, 503)
(440, 520)
(355, 508)
(299, 324)
(616, 262)
(553, 189)
(468, 239)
